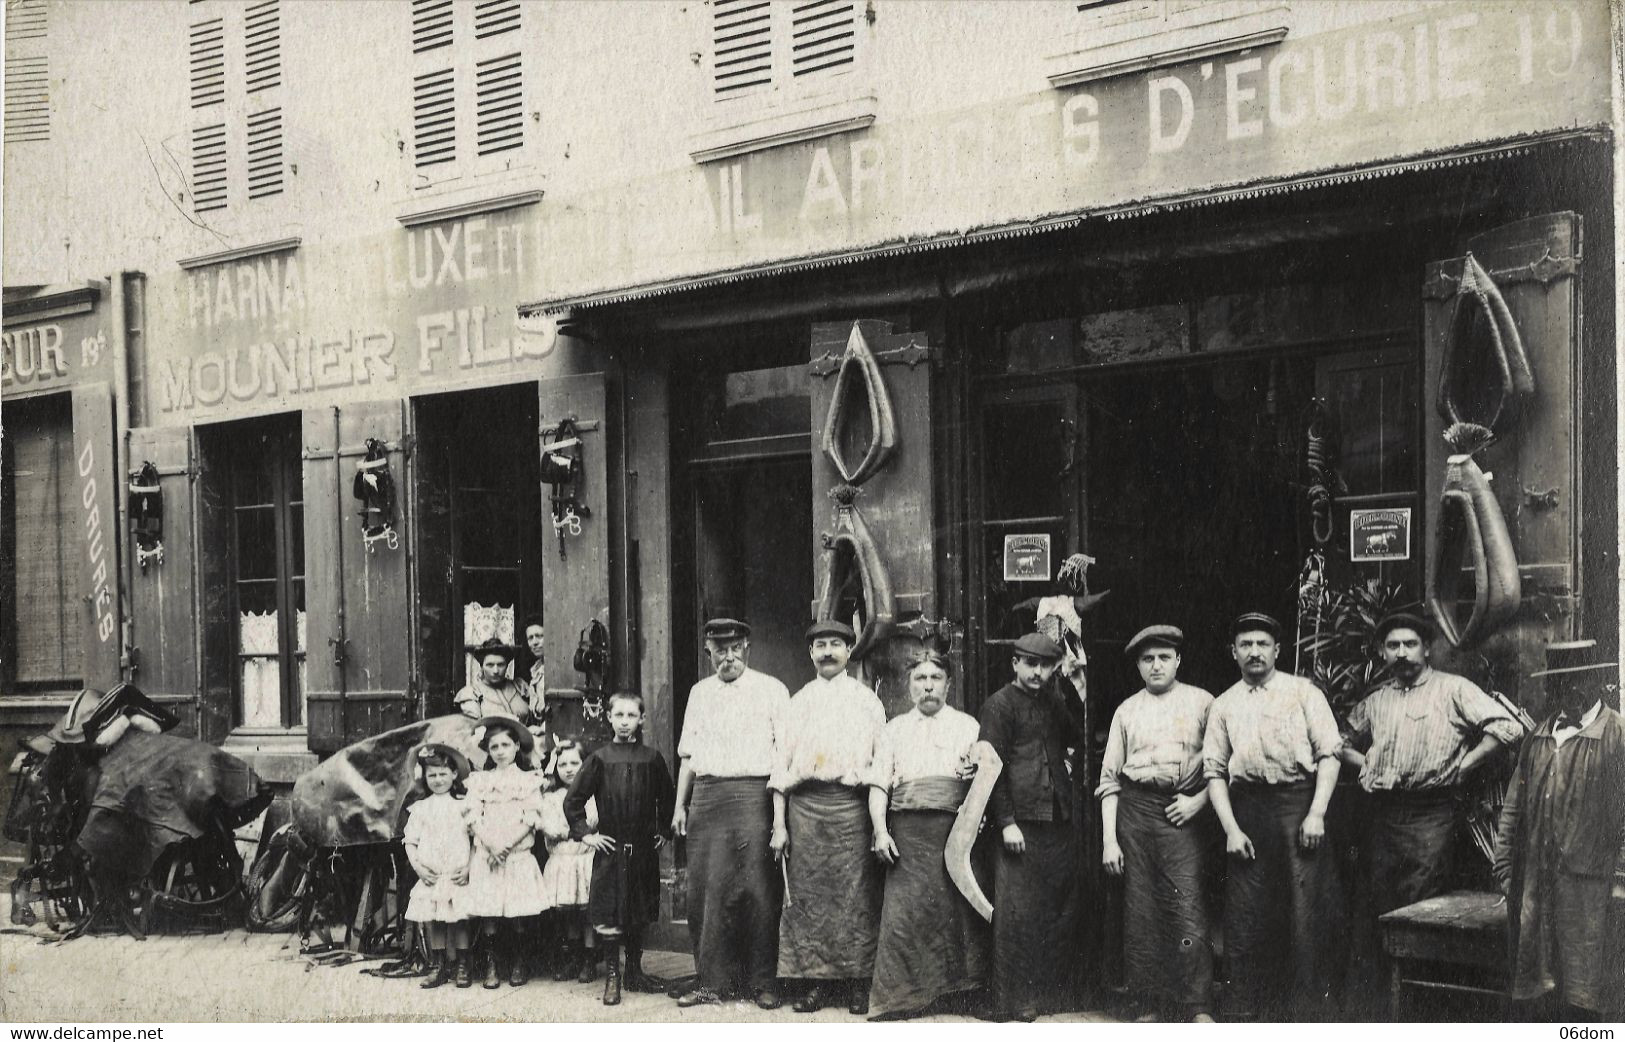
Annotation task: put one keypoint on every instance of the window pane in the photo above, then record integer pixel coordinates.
(256, 543)
(1374, 409)
(253, 471)
(260, 684)
(757, 403)
(296, 537)
(1025, 452)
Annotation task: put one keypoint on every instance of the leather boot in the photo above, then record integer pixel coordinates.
(441, 971)
(463, 975)
(612, 973)
(589, 965)
(493, 979)
(518, 972)
(635, 979)
(570, 959)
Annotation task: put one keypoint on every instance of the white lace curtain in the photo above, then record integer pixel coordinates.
(482, 622)
(260, 678)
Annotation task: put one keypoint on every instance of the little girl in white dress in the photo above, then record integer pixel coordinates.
(437, 845)
(503, 810)
(567, 878)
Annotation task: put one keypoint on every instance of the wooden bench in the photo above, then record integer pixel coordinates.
(1466, 928)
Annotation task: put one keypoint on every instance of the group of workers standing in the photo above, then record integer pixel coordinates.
(817, 829)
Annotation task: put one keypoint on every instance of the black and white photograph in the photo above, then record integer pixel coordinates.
(811, 512)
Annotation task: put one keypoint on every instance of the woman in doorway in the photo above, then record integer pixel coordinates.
(932, 942)
(537, 679)
(491, 692)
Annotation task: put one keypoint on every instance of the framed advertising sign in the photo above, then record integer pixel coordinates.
(1027, 558)
(1380, 534)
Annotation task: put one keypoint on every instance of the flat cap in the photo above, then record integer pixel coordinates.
(1405, 620)
(831, 628)
(725, 629)
(1256, 620)
(1167, 636)
(1039, 647)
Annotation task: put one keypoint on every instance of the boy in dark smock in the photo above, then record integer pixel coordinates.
(1030, 723)
(633, 791)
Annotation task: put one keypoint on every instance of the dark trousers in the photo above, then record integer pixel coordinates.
(1404, 858)
(1282, 916)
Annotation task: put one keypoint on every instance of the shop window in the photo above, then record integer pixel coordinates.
(779, 71)
(469, 99)
(28, 72)
(267, 571)
(40, 609)
(235, 76)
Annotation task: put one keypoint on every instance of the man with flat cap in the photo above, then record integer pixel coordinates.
(733, 729)
(1155, 831)
(822, 824)
(1560, 845)
(1417, 739)
(1270, 757)
(1030, 722)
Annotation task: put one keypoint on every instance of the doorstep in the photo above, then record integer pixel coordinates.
(278, 759)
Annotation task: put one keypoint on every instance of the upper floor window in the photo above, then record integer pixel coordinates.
(469, 100)
(1107, 38)
(778, 71)
(234, 66)
(28, 72)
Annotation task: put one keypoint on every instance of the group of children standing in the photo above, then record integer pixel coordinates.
(480, 888)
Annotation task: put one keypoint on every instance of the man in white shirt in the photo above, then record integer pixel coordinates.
(732, 730)
(830, 925)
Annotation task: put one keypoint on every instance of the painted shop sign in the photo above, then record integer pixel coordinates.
(1380, 535)
(379, 317)
(97, 489)
(49, 356)
(1451, 76)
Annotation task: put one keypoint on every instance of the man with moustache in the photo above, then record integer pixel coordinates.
(831, 755)
(1030, 723)
(1270, 757)
(1417, 740)
(1560, 845)
(1155, 831)
(733, 729)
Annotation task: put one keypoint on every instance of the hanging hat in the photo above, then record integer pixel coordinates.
(1164, 636)
(1256, 620)
(521, 734)
(1039, 647)
(459, 762)
(1405, 620)
(492, 646)
(831, 628)
(1574, 656)
(726, 629)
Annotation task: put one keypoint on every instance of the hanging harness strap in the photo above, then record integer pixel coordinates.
(851, 553)
(859, 364)
(1471, 525)
(1483, 344)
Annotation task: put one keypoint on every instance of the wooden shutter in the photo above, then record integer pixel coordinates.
(577, 585)
(27, 72)
(434, 117)
(265, 153)
(1535, 263)
(495, 17)
(741, 46)
(262, 45)
(499, 104)
(431, 25)
(207, 52)
(163, 606)
(823, 36)
(357, 668)
(209, 168)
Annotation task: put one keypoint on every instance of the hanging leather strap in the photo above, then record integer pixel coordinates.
(1463, 396)
(852, 549)
(1471, 527)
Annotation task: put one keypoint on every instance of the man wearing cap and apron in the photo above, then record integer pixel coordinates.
(1156, 831)
(733, 727)
(1270, 757)
(1030, 723)
(1416, 740)
(824, 830)
(1560, 846)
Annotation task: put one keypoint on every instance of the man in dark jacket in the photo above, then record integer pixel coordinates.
(1030, 723)
(1560, 847)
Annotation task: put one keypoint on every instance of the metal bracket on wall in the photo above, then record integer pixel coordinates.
(582, 426)
(921, 627)
(1544, 271)
(910, 354)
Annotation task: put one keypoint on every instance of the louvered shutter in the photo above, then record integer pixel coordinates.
(265, 153)
(162, 607)
(493, 17)
(779, 44)
(262, 39)
(434, 117)
(358, 616)
(468, 84)
(500, 104)
(209, 168)
(741, 46)
(207, 49)
(27, 73)
(823, 36)
(431, 25)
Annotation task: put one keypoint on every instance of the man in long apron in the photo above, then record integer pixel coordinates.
(830, 926)
(1156, 832)
(1417, 740)
(1030, 723)
(1270, 757)
(732, 731)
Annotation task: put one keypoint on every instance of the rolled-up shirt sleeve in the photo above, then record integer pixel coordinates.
(1482, 715)
(1216, 744)
(1325, 740)
(1111, 764)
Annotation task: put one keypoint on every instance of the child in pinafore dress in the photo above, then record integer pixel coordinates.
(503, 810)
(633, 789)
(437, 845)
(567, 876)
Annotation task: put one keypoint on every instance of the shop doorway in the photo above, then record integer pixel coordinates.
(1186, 481)
(479, 528)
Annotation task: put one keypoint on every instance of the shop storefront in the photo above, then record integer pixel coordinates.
(1199, 323)
(60, 586)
